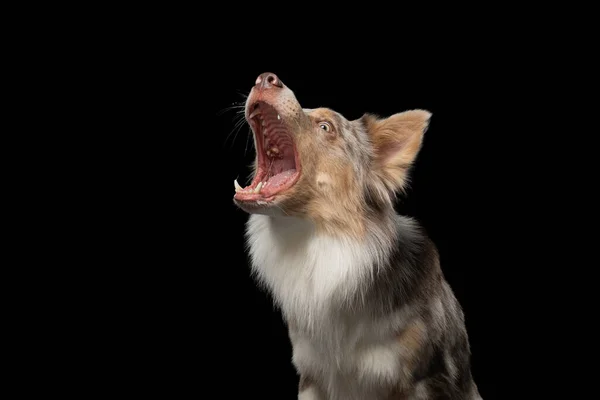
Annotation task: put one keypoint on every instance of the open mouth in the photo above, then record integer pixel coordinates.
(278, 164)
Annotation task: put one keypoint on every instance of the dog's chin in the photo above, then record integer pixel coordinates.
(261, 207)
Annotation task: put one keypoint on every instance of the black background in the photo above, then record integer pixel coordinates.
(138, 160)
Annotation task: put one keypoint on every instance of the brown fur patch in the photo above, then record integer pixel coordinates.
(413, 336)
(336, 208)
(397, 141)
(327, 191)
(412, 339)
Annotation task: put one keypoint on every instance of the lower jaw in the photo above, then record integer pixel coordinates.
(266, 194)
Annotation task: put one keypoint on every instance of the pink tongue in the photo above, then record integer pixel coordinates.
(281, 177)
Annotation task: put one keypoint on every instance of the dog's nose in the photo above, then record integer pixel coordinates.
(268, 80)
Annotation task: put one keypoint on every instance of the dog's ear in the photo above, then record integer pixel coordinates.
(396, 142)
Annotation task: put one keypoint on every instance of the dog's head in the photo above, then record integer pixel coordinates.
(316, 164)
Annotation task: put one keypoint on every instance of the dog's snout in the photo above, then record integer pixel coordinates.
(268, 80)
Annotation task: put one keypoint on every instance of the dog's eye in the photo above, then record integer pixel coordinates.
(325, 126)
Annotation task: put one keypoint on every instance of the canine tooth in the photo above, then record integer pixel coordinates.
(269, 153)
(275, 150)
(254, 114)
(258, 187)
(278, 117)
(237, 185)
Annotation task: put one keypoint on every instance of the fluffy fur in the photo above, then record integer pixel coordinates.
(369, 313)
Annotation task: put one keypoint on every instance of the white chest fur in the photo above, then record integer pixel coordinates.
(307, 274)
(310, 276)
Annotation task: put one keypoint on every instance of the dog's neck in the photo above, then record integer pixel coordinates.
(296, 231)
(312, 275)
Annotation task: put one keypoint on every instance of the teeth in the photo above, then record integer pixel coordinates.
(278, 117)
(275, 150)
(254, 114)
(257, 189)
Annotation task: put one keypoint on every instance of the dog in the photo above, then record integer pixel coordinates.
(369, 313)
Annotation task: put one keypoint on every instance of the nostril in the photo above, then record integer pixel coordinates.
(274, 80)
(268, 80)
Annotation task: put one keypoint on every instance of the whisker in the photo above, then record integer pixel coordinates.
(236, 133)
(238, 125)
(232, 107)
